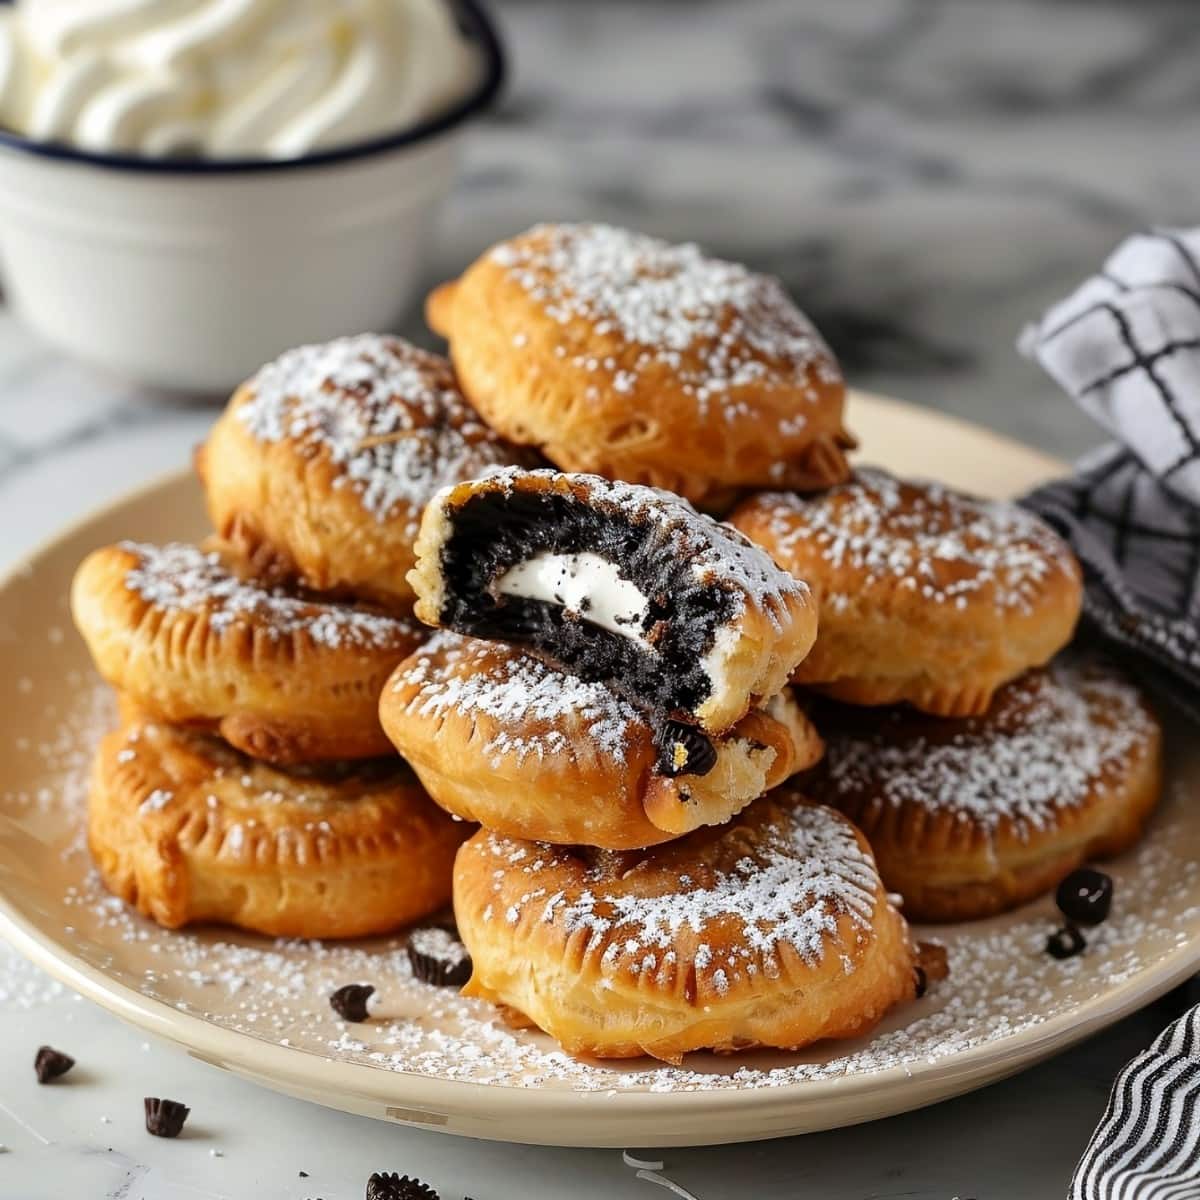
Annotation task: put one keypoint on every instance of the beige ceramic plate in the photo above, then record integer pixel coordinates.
(429, 1058)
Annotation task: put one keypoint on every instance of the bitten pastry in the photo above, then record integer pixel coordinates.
(773, 930)
(321, 464)
(621, 584)
(971, 817)
(187, 830)
(283, 678)
(626, 356)
(529, 750)
(927, 595)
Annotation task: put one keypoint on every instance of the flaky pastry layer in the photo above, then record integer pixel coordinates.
(188, 830)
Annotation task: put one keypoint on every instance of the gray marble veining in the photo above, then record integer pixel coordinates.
(926, 176)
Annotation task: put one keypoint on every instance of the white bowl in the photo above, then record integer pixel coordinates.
(190, 274)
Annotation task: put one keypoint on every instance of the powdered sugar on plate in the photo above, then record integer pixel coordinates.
(716, 326)
(539, 710)
(389, 417)
(1001, 982)
(183, 578)
(950, 548)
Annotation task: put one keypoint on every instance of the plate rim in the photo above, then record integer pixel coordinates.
(431, 1102)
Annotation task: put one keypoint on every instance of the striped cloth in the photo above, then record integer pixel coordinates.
(1145, 1147)
(1126, 347)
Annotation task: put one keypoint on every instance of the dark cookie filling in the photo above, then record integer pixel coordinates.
(494, 532)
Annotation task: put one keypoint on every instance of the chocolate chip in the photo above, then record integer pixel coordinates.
(438, 957)
(683, 750)
(1065, 942)
(165, 1118)
(350, 1001)
(390, 1186)
(1085, 896)
(50, 1063)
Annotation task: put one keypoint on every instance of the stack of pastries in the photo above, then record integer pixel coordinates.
(250, 781)
(710, 760)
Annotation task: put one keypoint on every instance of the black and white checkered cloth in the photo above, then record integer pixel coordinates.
(1126, 346)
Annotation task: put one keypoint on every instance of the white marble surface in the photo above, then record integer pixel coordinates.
(926, 176)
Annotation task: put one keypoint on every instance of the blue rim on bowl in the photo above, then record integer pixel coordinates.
(476, 26)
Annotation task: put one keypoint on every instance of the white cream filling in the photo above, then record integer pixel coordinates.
(715, 664)
(584, 584)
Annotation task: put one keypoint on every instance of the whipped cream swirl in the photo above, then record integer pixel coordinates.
(227, 78)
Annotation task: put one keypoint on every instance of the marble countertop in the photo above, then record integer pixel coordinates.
(926, 175)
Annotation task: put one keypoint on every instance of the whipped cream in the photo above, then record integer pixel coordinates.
(227, 78)
(584, 584)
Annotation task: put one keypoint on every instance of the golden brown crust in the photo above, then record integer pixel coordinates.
(283, 678)
(927, 596)
(319, 468)
(773, 620)
(498, 736)
(975, 816)
(188, 830)
(624, 356)
(773, 930)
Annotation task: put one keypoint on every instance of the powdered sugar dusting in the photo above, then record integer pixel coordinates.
(183, 578)
(388, 415)
(791, 892)
(551, 708)
(1002, 984)
(945, 546)
(717, 326)
(1053, 740)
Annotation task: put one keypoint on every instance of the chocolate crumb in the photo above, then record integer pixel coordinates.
(1065, 942)
(50, 1063)
(1085, 896)
(438, 956)
(350, 1001)
(684, 750)
(922, 981)
(165, 1118)
(303, 1174)
(390, 1186)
